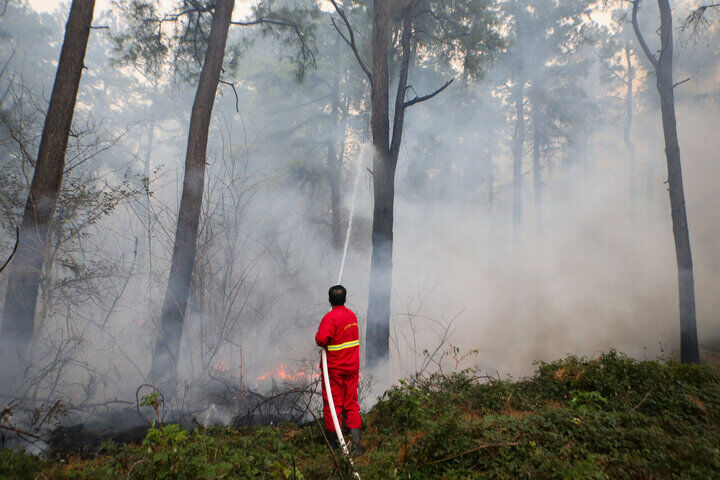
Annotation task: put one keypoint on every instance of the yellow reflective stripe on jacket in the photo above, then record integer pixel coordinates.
(341, 346)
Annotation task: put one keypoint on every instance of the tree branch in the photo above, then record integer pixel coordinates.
(406, 44)
(237, 100)
(639, 35)
(697, 18)
(681, 82)
(17, 242)
(351, 40)
(306, 52)
(428, 97)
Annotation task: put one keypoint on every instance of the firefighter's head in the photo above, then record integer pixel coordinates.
(337, 295)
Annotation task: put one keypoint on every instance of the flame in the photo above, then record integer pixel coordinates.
(221, 365)
(282, 373)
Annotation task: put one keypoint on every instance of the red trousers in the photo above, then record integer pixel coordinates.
(344, 388)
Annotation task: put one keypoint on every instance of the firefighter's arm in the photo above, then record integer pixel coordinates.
(325, 332)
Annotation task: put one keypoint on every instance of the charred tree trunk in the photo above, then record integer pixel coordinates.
(627, 131)
(518, 142)
(25, 271)
(167, 346)
(537, 169)
(689, 352)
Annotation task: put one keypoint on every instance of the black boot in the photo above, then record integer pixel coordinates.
(332, 438)
(357, 446)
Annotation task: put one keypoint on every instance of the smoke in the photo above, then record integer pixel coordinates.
(585, 273)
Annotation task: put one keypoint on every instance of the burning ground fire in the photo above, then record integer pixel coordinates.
(281, 373)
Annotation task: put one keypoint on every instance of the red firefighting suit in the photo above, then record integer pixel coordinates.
(338, 333)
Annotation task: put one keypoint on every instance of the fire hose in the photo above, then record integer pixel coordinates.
(333, 414)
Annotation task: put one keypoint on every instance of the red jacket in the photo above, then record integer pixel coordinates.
(338, 333)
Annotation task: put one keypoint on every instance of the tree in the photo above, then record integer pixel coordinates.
(167, 345)
(542, 66)
(146, 43)
(398, 30)
(662, 63)
(25, 272)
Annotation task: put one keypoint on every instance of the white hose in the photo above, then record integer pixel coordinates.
(333, 414)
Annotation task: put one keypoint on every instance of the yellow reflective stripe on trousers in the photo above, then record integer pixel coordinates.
(341, 346)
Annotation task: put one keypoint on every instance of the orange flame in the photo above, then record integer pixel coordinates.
(221, 365)
(285, 375)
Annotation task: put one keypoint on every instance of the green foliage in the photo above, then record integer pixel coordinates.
(17, 464)
(607, 418)
(151, 400)
(178, 38)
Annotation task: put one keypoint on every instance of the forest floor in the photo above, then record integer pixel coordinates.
(610, 417)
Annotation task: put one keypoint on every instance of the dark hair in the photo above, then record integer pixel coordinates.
(337, 295)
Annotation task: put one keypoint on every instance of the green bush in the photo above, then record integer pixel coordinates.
(606, 418)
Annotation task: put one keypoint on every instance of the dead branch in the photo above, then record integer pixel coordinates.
(475, 449)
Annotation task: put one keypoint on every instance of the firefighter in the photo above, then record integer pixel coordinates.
(338, 334)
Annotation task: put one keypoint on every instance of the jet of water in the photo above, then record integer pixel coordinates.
(365, 153)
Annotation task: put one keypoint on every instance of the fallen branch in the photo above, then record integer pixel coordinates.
(475, 449)
(643, 400)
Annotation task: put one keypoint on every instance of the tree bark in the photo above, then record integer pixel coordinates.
(689, 352)
(25, 272)
(167, 346)
(518, 142)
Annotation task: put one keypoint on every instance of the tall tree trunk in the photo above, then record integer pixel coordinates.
(689, 352)
(686, 283)
(167, 346)
(518, 142)
(378, 315)
(25, 272)
(627, 131)
(537, 169)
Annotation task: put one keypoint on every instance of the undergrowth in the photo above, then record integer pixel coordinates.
(607, 418)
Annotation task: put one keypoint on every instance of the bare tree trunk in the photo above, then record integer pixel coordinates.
(378, 315)
(537, 169)
(385, 159)
(627, 132)
(689, 352)
(25, 271)
(518, 142)
(167, 346)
